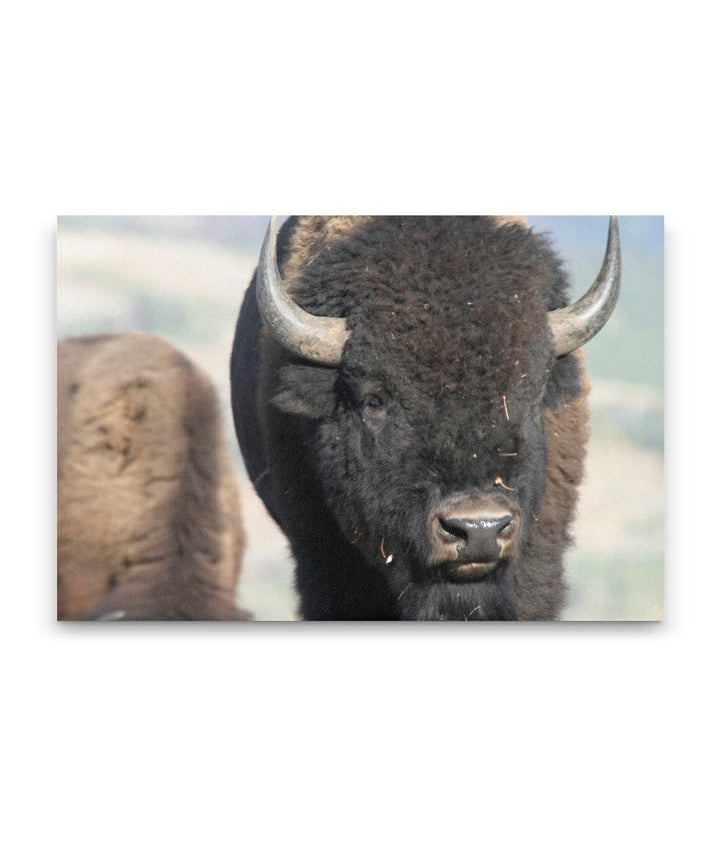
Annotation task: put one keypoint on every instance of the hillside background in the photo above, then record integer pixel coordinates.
(184, 278)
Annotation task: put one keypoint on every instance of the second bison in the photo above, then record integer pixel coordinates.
(149, 522)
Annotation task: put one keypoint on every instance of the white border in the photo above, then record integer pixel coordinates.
(359, 739)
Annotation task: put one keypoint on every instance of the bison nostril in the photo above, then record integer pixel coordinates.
(506, 529)
(453, 530)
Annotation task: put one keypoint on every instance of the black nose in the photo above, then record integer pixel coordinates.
(473, 529)
(477, 538)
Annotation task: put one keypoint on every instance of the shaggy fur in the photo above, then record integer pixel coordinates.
(448, 321)
(149, 522)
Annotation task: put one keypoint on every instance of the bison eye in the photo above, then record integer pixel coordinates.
(374, 406)
(374, 402)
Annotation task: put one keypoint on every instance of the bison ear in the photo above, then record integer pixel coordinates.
(305, 391)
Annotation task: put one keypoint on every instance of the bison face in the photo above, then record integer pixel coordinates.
(428, 452)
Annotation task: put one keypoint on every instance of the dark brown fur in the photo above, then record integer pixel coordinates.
(149, 523)
(448, 316)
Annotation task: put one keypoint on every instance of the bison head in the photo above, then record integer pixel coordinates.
(424, 353)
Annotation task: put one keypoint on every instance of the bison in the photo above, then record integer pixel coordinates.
(149, 522)
(411, 404)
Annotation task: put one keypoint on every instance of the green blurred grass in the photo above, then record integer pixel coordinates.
(620, 587)
(627, 353)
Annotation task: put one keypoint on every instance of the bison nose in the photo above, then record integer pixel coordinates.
(473, 529)
(478, 539)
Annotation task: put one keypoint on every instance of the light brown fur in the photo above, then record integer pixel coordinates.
(311, 232)
(567, 432)
(512, 220)
(148, 509)
(317, 231)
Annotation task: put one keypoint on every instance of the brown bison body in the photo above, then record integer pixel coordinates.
(149, 523)
(410, 400)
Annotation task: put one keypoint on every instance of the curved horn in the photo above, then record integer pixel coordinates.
(316, 338)
(574, 325)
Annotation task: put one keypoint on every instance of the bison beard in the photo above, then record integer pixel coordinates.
(448, 391)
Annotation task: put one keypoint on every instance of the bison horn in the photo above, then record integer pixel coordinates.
(573, 326)
(313, 337)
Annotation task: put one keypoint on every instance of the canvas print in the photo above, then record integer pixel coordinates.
(360, 418)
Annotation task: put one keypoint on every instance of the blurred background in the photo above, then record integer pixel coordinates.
(183, 278)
